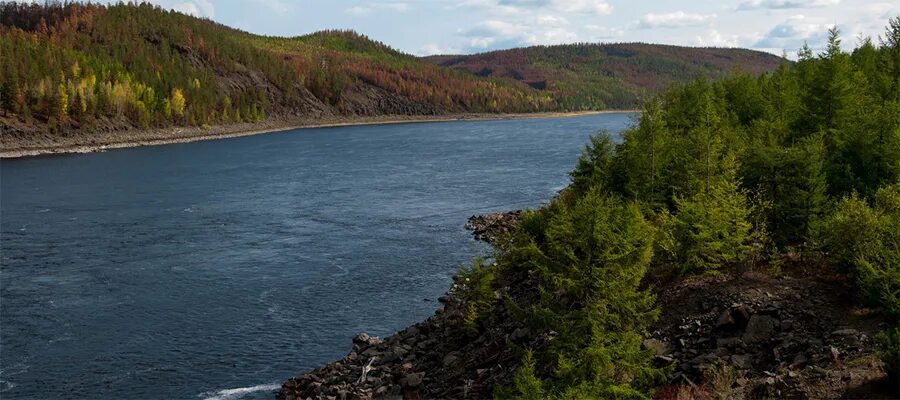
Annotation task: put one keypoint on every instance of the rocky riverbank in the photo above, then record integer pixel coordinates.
(736, 335)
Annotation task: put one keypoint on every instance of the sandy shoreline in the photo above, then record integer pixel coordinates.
(153, 137)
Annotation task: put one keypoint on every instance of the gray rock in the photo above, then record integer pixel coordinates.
(787, 325)
(725, 320)
(412, 381)
(364, 340)
(449, 360)
(799, 362)
(845, 332)
(759, 329)
(727, 342)
(659, 347)
(742, 361)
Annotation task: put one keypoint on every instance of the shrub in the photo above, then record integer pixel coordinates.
(889, 351)
(865, 242)
(474, 289)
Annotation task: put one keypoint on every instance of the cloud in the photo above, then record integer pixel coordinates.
(434, 49)
(492, 28)
(542, 30)
(597, 32)
(358, 10)
(197, 8)
(597, 7)
(552, 20)
(363, 10)
(785, 4)
(792, 33)
(513, 7)
(678, 19)
(715, 38)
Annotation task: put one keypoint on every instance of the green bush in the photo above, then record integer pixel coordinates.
(889, 351)
(475, 290)
(865, 242)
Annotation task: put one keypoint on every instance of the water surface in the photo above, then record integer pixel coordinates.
(220, 268)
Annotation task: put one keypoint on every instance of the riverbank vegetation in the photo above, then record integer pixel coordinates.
(743, 173)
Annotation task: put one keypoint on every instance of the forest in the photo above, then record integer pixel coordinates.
(588, 76)
(798, 168)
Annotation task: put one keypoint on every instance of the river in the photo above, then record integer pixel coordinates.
(218, 269)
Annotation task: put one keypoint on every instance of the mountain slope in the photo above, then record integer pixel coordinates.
(88, 68)
(93, 67)
(597, 76)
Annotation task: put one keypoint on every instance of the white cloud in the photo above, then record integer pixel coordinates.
(187, 8)
(785, 4)
(363, 10)
(358, 10)
(434, 49)
(542, 30)
(551, 36)
(597, 7)
(715, 38)
(597, 32)
(678, 19)
(514, 7)
(552, 20)
(197, 8)
(792, 33)
(482, 42)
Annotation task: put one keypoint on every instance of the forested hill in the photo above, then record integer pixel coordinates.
(591, 76)
(86, 68)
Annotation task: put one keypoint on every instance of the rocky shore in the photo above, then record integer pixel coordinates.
(736, 335)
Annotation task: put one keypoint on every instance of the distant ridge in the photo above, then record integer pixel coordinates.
(617, 75)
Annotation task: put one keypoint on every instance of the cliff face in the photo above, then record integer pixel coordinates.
(738, 335)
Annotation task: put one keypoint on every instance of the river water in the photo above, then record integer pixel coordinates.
(218, 269)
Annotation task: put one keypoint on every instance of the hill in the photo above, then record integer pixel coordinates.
(94, 67)
(74, 74)
(618, 76)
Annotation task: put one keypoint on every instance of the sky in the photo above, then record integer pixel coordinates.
(426, 27)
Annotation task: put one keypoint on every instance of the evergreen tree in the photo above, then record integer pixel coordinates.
(594, 168)
(598, 321)
(711, 229)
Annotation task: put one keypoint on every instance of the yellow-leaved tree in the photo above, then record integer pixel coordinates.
(177, 102)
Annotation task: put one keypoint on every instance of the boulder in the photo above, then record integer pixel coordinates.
(760, 328)
(412, 381)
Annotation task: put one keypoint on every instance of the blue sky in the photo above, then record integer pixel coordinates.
(424, 27)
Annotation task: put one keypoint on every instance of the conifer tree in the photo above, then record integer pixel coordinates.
(598, 321)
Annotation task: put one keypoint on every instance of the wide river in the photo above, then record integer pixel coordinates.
(218, 269)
